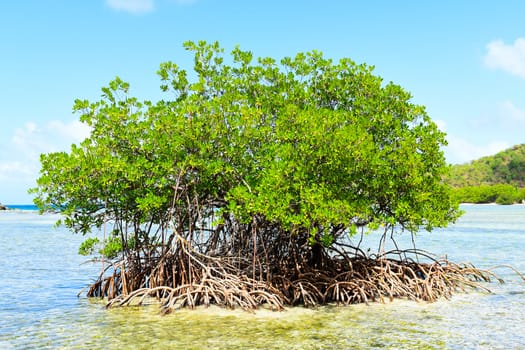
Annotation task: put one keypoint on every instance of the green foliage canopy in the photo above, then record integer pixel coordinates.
(306, 144)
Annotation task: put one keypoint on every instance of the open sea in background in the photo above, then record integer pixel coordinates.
(41, 275)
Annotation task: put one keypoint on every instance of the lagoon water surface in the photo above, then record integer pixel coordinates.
(41, 275)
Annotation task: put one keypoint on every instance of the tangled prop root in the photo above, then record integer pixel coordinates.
(199, 280)
(376, 279)
(185, 278)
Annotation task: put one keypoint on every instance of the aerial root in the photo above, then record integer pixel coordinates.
(508, 267)
(214, 281)
(185, 278)
(390, 279)
(205, 282)
(227, 291)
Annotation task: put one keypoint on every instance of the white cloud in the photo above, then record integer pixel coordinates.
(510, 58)
(143, 6)
(184, 2)
(74, 131)
(27, 142)
(460, 150)
(19, 168)
(132, 6)
(512, 114)
(441, 124)
(31, 140)
(15, 169)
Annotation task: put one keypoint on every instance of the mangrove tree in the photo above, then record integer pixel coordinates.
(247, 183)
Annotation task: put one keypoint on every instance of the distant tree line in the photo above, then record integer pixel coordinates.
(494, 179)
(500, 194)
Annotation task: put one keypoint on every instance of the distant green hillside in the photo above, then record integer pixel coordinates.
(506, 167)
(495, 179)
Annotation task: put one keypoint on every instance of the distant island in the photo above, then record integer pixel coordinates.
(25, 207)
(494, 179)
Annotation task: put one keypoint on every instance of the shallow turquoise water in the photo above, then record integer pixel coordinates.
(41, 275)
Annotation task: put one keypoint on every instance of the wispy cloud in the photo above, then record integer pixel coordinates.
(15, 170)
(31, 140)
(19, 170)
(132, 6)
(74, 131)
(183, 2)
(510, 58)
(460, 150)
(143, 6)
(441, 124)
(512, 114)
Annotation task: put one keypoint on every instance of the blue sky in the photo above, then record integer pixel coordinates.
(462, 59)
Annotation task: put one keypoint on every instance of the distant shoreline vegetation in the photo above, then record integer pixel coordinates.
(18, 207)
(494, 179)
(500, 194)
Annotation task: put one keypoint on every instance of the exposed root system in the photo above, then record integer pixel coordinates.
(184, 277)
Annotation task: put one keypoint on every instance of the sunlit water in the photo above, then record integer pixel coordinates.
(41, 274)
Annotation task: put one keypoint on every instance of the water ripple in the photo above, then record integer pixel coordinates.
(41, 275)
